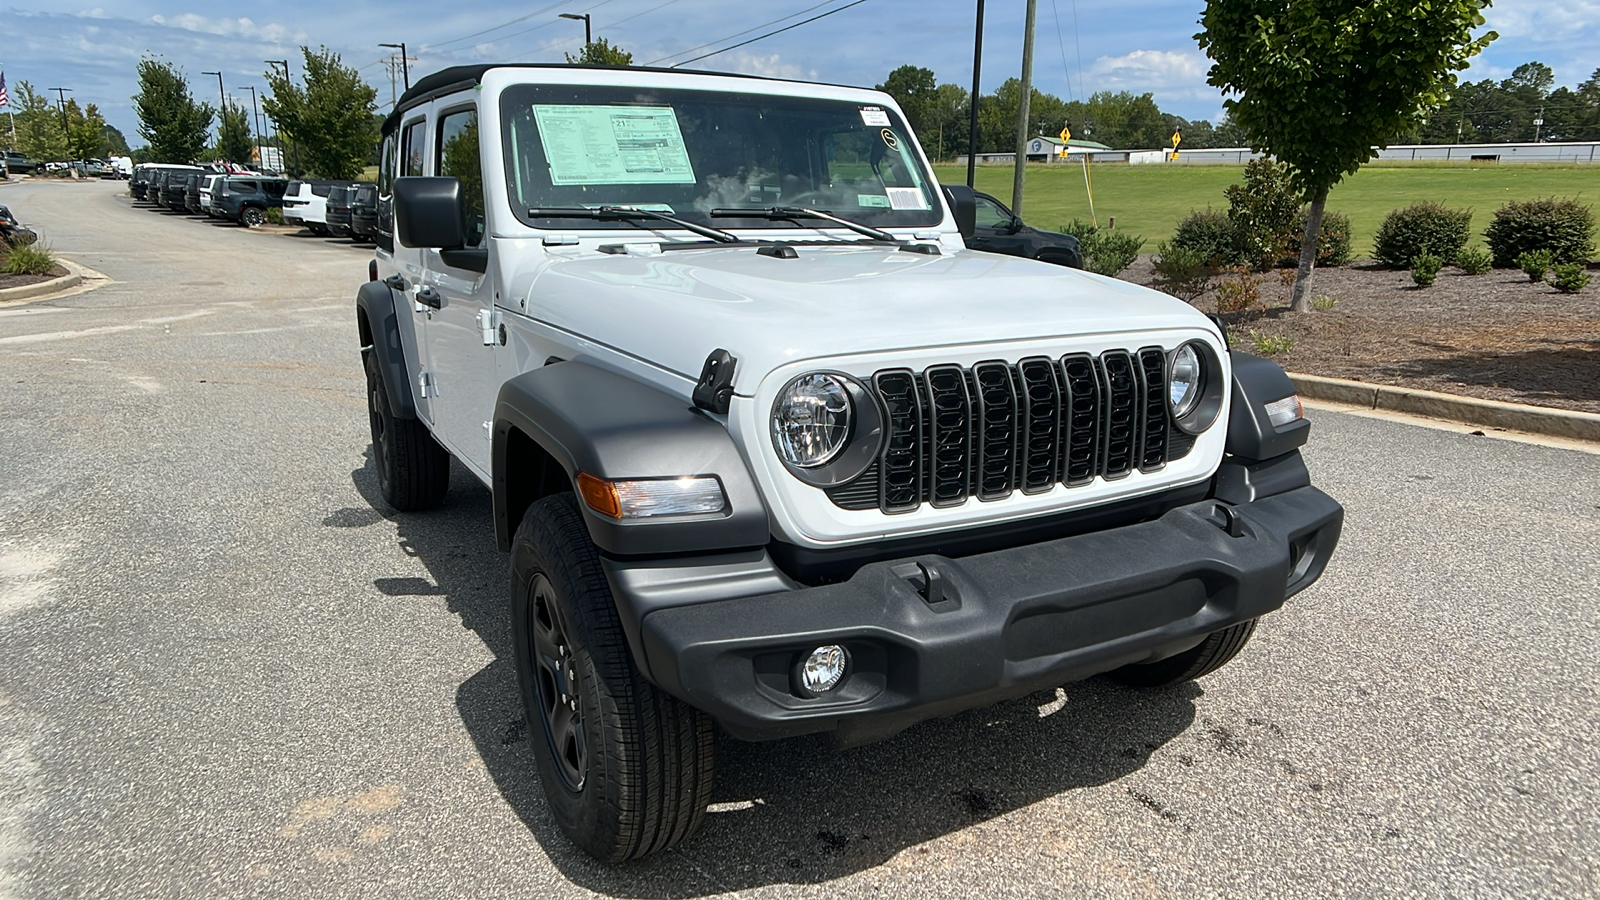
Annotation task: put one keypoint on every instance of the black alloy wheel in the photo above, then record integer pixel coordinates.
(560, 713)
(252, 216)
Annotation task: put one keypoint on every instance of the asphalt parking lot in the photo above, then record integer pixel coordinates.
(227, 670)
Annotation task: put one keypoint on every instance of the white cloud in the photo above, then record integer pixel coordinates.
(1545, 21)
(241, 28)
(767, 65)
(1165, 73)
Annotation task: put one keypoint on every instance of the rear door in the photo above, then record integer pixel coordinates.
(461, 330)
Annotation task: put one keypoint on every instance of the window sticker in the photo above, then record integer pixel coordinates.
(906, 198)
(867, 201)
(613, 145)
(874, 115)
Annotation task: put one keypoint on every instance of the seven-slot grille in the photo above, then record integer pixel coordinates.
(999, 428)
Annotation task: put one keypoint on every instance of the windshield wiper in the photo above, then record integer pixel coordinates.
(631, 212)
(804, 212)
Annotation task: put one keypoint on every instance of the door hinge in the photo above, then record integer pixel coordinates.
(489, 324)
(425, 386)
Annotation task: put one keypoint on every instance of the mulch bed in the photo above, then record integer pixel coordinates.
(11, 281)
(1496, 336)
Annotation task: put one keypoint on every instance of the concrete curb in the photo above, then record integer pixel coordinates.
(1468, 410)
(72, 279)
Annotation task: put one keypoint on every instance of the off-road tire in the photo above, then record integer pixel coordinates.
(1208, 656)
(413, 470)
(251, 216)
(644, 759)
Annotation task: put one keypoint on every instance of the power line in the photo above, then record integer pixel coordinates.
(1065, 72)
(740, 34)
(538, 12)
(769, 34)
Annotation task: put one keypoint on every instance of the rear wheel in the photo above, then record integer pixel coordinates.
(625, 768)
(1206, 657)
(252, 216)
(413, 470)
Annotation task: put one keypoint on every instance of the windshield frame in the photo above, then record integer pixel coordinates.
(683, 92)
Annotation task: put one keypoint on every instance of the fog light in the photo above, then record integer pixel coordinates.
(824, 669)
(1282, 412)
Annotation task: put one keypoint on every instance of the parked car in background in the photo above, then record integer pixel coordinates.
(247, 199)
(1000, 231)
(364, 212)
(305, 203)
(175, 196)
(18, 163)
(119, 167)
(339, 210)
(208, 189)
(191, 192)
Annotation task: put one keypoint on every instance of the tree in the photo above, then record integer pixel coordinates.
(330, 119)
(38, 123)
(1319, 83)
(112, 143)
(85, 130)
(1121, 119)
(601, 53)
(169, 118)
(234, 140)
(917, 92)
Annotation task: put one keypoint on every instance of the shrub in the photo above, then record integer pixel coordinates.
(1263, 211)
(1105, 252)
(1240, 291)
(1536, 263)
(1421, 228)
(1333, 239)
(1562, 227)
(1570, 277)
(1474, 260)
(29, 259)
(1325, 302)
(274, 216)
(1425, 268)
(1210, 233)
(1182, 272)
(1270, 344)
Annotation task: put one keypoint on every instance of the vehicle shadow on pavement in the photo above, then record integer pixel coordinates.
(799, 811)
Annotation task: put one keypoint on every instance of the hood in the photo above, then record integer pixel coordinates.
(675, 307)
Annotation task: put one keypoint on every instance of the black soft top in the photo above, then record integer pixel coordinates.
(449, 80)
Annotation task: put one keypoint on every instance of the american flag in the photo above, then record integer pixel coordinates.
(5, 99)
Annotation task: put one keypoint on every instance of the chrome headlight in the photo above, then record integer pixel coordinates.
(811, 420)
(1195, 388)
(1183, 385)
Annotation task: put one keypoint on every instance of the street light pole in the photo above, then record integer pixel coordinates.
(255, 123)
(588, 35)
(223, 93)
(972, 101)
(405, 67)
(279, 137)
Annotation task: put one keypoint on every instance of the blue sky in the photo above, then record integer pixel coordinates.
(1081, 46)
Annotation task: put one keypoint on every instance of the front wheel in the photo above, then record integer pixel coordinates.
(625, 768)
(1204, 658)
(252, 216)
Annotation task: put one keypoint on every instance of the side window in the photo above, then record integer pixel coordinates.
(990, 215)
(411, 147)
(248, 187)
(275, 188)
(386, 161)
(458, 158)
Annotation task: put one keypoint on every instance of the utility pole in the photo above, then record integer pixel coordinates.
(972, 101)
(1022, 112)
(61, 104)
(255, 123)
(1538, 125)
(279, 137)
(405, 68)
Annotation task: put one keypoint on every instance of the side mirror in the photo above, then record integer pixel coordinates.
(428, 212)
(1015, 225)
(963, 206)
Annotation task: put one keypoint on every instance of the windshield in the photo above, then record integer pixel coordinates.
(687, 152)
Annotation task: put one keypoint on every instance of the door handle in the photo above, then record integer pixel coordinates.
(396, 282)
(427, 296)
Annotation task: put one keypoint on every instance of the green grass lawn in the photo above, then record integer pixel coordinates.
(1150, 199)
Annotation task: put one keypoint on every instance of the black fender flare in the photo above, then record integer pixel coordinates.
(1251, 434)
(605, 424)
(376, 301)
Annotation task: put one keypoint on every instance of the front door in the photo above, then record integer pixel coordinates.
(461, 331)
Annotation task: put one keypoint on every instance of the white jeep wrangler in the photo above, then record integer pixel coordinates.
(770, 448)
